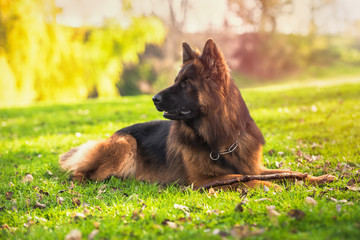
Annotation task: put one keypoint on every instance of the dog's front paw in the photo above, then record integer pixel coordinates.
(321, 179)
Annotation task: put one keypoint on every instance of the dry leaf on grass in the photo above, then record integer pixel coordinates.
(169, 223)
(185, 209)
(296, 213)
(93, 234)
(263, 199)
(215, 211)
(39, 205)
(102, 189)
(60, 200)
(79, 215)
(353, 188)
(76, 201)
(245, 231)
(96, 225)
(27, 178)
(74, 234)
(338, 208)
(239, 207)
(43, 192)
(272, 212)
(310, 201)
(8, 195)
(212, 192)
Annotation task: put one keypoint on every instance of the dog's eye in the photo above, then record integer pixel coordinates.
(186, 84)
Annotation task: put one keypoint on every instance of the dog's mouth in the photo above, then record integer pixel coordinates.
(176, 114)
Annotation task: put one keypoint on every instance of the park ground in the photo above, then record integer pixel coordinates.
(310, 126)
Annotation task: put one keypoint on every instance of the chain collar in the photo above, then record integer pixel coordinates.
(216, 155)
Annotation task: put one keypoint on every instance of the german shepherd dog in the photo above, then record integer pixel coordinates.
(211, 136)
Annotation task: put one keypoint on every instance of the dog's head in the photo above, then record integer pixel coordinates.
(201, 82)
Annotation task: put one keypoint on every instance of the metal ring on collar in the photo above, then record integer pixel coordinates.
(214, 158)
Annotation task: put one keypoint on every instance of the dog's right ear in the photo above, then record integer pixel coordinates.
(188, 53)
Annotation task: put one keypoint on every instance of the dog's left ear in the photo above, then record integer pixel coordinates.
(188, 53)
(212, 57)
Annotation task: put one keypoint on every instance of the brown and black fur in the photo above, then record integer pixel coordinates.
(207, 113)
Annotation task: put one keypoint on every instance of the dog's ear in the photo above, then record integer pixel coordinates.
(188, 53)
(212, 57)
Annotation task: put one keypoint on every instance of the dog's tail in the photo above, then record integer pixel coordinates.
(98, 160)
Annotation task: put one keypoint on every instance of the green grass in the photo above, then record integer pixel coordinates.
(296, 122)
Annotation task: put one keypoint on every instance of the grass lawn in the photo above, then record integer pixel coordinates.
(310, 128)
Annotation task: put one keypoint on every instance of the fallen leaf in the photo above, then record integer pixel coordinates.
(182, 219)
(39, 205)
(8, 195)
(239, 207)
(171, 224)
(40, 197)
(96, 225)
(27, 178)
(212, 192)
(5, 226)
(271, 152)
(102, 189)
(78, 215)
(353, 188)
(244, 231)
(243, 192)
(74, 234)
(296, 213)
(263, 199)
(181, 207)
(76, 201)
(43, 192)
(167, 222)
(48, 172)
(60, 200)
(310, 201)
(272, 212)
(11, 184)
(185, 209)
(338, 208)
(216, 231)
(278, 164)
(116, 189)
(98, 208)
(312, 158)
(216, 212)
(352, 182)
(86, 211)
(93, 234)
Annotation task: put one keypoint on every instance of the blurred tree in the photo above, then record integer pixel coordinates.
(41, 60)
(261, 14)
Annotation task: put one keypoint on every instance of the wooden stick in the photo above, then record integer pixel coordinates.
(246, 178)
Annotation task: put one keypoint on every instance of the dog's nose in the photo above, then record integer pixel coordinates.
(157, 98)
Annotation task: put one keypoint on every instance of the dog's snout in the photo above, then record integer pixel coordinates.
(157, 98)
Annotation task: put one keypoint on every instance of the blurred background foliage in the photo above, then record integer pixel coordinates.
(44, 58)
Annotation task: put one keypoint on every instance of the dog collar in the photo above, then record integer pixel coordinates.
(216, 155)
